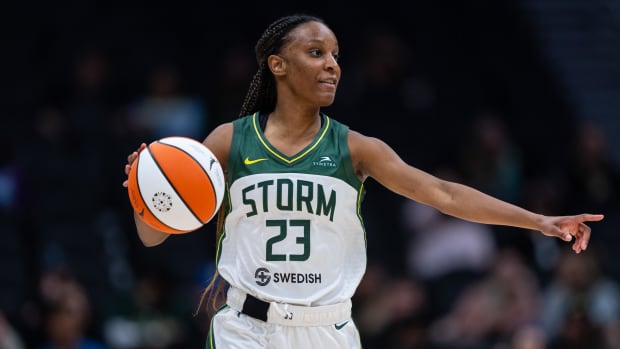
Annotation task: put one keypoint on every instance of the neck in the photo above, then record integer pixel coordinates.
(294, 124)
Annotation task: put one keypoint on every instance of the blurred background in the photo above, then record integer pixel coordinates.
(516, 98)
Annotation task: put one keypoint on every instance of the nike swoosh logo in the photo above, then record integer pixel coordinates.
(141, 213)
(338, 327)
(247, 161)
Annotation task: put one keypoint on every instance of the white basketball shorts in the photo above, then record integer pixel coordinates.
(232, 329)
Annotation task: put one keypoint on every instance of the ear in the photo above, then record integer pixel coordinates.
(276, 64)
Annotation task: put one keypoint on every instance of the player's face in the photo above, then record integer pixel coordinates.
(311, 61)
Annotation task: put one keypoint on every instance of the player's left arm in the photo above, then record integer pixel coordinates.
(374, 158)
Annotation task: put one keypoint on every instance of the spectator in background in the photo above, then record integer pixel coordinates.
(377, 88)
(67, 313)
(90, 111)
(493, 310)
(12, 182)
(89, 102)
(234, 67)
(14, 254)
(593, 174)
(166, 110)
(148, 318)
(545, 193)
(9, 337)
(490, 160)
(444, 252)
(528, 337)
(594, 182)
(55, 172)
(581, 304)
(383, 301)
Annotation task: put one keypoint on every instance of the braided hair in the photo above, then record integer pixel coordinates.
(261, 95)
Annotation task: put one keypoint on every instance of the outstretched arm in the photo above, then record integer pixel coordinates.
(373, 158)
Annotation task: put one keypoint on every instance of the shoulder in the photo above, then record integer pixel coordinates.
(369, 153)
(359, 143)
(222, 132)
(225, 132)
(219, 141)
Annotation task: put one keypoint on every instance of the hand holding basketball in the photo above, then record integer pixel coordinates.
(130, 159)
(175, 184)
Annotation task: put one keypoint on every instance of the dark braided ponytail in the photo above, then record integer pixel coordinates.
(262, 93)
(261, 97)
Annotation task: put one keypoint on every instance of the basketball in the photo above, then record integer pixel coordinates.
(176, 185)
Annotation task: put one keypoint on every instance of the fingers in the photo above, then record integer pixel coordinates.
(128, 169)
(582, 238)
(573, 226)
(562, 234)
(584, 232)
(578, 245)
(133, 156)
(130, 159)
(586, 217)
(565, 236)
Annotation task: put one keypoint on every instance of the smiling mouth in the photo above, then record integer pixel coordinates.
(328, 85)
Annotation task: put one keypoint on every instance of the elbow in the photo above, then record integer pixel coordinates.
(151, 240)
(149, 236)
(445, 200)
(151, 243)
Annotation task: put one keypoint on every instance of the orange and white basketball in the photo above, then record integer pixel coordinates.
(176, 185)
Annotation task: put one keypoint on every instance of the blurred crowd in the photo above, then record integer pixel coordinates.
(75, 275)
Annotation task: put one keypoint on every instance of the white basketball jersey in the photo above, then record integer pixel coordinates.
(293, 232)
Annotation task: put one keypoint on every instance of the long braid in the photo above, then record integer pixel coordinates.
(261, 97)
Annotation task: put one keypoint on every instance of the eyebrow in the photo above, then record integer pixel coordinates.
(317, 41)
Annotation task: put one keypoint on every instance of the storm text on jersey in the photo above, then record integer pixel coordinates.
(289, 195)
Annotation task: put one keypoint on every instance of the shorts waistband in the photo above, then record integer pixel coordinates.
(288, 314)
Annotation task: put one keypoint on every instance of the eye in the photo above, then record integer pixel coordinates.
(319, 53)
(316, 52)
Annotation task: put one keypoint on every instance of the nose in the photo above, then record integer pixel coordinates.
(331, 62)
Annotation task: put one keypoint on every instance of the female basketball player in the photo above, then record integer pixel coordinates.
(292, 246)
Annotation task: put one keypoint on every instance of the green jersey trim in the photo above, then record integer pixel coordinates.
(223, 227)
(210, 343)
(279, 155)
(360, 198)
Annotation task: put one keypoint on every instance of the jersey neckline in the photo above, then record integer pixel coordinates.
(299, 155)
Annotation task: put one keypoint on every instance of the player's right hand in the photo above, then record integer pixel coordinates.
(130, 159)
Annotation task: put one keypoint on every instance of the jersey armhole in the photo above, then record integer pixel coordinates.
(352, 177)
(237, 139)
